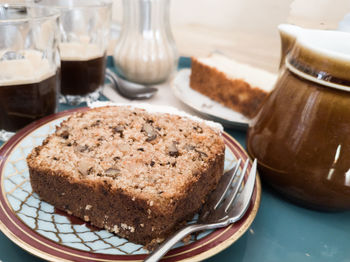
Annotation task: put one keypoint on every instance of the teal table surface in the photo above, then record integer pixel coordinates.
(281, 230)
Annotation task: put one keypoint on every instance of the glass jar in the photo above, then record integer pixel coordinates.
(145, 52)
(301, 133)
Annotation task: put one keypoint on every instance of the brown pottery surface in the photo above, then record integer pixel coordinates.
(301, 136)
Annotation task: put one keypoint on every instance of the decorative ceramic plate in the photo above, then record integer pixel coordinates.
(204, 105)
(43, 231)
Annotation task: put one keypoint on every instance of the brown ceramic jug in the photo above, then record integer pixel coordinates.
(301, 135)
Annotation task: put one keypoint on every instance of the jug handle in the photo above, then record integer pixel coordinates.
(288, 34)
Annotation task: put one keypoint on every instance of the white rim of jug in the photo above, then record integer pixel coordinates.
(314, 79)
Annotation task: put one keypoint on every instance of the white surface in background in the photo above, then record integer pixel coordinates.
(164, 96)
(323, 14)
(344, 25)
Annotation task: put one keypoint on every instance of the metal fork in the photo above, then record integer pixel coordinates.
(221, 209)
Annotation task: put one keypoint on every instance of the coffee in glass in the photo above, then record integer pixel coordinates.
(84, 26)
(82, 68)
(29, 66)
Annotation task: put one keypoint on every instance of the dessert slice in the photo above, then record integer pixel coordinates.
(238, 86)
(137, 174)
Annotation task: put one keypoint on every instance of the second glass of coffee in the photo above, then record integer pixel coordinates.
(84, 27)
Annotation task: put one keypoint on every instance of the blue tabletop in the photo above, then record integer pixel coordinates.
(281, 231)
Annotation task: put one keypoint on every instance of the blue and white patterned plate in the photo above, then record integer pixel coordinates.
(55, 235)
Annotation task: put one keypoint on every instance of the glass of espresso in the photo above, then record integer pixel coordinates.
(29, 65)
(84, 26)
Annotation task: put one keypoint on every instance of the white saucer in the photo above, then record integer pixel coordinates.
(204, 105)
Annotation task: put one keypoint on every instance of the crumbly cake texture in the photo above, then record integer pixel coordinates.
(231, 91)
(140, 175)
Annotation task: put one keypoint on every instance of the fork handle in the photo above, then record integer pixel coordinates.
(160, 251)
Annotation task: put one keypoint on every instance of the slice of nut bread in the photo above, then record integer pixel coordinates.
(238, 86)
(134, 173)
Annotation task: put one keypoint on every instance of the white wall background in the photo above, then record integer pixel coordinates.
(244, 29)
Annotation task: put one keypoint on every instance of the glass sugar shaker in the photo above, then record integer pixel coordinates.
(146, 51)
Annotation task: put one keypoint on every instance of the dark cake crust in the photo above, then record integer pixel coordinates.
(134, 219)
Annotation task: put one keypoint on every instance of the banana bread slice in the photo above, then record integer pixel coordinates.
(134, 173)
(238, 86)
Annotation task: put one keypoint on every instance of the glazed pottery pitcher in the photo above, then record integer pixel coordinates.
(301, 135)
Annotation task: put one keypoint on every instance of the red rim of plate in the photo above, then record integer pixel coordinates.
(45, 248)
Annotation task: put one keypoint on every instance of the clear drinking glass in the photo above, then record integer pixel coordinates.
(84, 26)
(29, 65)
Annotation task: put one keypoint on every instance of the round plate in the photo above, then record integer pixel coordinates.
(204, 105)
(35, 226)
